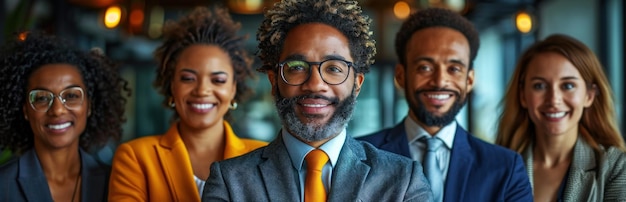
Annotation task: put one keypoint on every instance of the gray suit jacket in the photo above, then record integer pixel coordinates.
(362, 173)
(593, 176)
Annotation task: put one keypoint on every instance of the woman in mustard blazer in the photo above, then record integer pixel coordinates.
(202, 71)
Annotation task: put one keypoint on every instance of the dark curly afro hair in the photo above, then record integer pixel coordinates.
(436, 17)
(344, 15)
(104, 86)
(203, 27)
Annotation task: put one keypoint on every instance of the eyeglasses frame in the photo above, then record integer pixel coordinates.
(56, 96)
(319, 70)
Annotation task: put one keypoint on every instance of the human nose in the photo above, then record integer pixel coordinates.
(203, 87)
(439, 77)
(554, 96)
(315, 83)
(57, 106)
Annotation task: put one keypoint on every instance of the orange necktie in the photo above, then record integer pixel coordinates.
(314, 190)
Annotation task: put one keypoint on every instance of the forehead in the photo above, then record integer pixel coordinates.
(203, 56)
(314, 42)
(551, 65)
(438, 41)
(51, 76)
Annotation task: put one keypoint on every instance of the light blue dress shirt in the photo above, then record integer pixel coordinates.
(417, 148)
(298, 150)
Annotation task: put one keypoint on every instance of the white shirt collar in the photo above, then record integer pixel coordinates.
(298, 150)
(415, 132)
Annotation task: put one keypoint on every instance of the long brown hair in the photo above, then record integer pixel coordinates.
(598, 125)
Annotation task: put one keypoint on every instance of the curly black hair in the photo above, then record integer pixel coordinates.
(344, 15)
(104, 86)
(436, 17)
(203, 27)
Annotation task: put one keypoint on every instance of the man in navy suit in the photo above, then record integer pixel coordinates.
(436, 49)
(316, 54)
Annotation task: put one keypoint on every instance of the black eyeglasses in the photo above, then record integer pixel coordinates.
(333, 71)
(41, 100)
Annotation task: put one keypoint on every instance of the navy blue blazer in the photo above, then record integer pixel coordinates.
(22, 179)
(478, 171)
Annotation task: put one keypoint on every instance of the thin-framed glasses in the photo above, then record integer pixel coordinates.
(297, 72)
(41, 100)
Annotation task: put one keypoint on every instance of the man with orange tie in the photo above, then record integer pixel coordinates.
(315, 54)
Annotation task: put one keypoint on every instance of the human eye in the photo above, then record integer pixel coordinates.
(187, 77)
(539, 86)
(296, 66)
(39, 97)
(568, 86)
(220, 79)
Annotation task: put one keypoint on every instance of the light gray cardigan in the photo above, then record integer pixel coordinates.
(593, 176)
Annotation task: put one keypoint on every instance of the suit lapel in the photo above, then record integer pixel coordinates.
(349, 173)
(396, 141)
(278, 174)
(461, 161)
(580, 186)
(94, 179)
(31, 178)
(174, 160)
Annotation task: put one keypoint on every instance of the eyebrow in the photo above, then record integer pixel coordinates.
(195, 72)
(43, 88)
(564, 78)
(431, 60)
(302, 57)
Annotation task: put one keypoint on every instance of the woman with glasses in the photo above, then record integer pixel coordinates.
(57, 103)
(559, 114)
(202, 73)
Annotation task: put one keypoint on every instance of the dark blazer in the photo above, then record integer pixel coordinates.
(593, 175)
(362, 173)
(478, 171)
(22, 179)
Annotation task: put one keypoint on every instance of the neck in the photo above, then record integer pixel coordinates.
(432, 130)
(59, 163)
(203, 139)
(552, 150)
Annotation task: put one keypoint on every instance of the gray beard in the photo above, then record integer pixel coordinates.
(311, 132)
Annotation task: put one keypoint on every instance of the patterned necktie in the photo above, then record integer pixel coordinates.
(431, 168)
(314, 190)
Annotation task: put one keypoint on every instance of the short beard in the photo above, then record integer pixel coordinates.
(430, 119)
(311, 132)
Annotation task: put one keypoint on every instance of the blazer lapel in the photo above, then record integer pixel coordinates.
(31, 178)
(349, 173)
(396, 141)
(176, 165)
(461, 161)
(94, 179)
(278, 174)
(580, 182)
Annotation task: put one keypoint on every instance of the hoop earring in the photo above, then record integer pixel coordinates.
(170, 102)
(233, 106)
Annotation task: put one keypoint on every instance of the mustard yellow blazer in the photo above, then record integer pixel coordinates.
(157, 168)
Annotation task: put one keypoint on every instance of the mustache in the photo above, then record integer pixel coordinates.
(333, 100)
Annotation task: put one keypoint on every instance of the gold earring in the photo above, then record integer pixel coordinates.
(233, 105)
(171, 103)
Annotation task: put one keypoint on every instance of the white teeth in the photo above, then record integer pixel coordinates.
(60, 126)
(439, 96)
(202, 106)
(313, 105)
(555, 115)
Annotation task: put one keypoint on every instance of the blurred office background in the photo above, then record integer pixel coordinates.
(506, 27)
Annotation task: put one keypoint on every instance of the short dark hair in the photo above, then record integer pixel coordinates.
(104, 88)
(344, 15)
(203, 27)
(436, 17)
